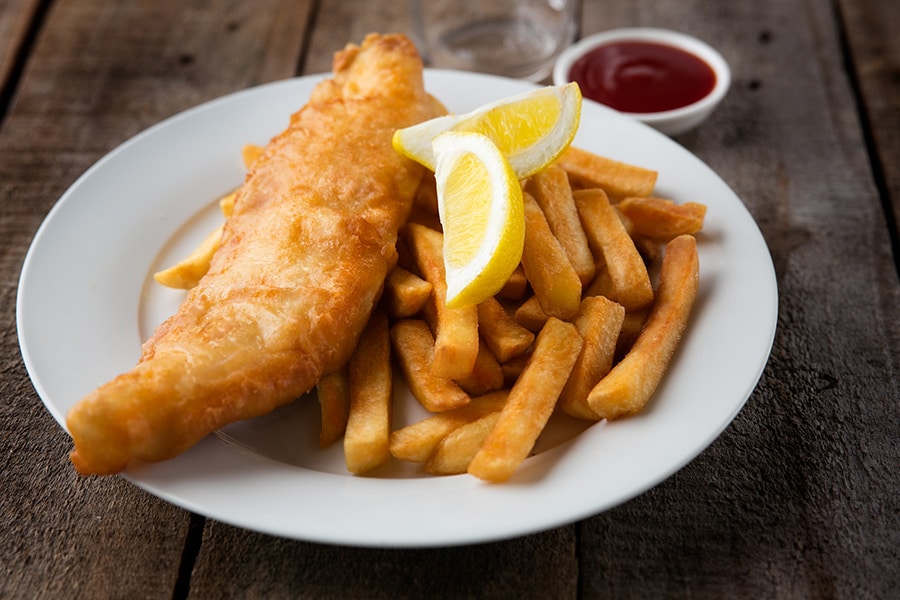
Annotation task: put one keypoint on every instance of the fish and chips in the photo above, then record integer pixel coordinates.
(330, 278)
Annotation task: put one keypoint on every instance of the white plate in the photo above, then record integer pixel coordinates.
(86, 301)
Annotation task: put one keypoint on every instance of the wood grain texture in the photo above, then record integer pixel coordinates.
(99, 73)
(790, 501)
(870, 27)
(16, 18)
(339, 23)
(797, 498)
(248, 565)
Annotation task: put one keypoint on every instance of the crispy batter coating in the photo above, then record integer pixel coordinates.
(301, 265)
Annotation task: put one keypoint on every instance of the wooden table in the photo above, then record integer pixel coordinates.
(799, 497)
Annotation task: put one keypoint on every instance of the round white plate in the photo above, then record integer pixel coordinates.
(86, 300)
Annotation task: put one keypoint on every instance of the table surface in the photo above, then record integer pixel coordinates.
(799, 497)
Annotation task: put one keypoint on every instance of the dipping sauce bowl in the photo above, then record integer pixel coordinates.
(664, 78)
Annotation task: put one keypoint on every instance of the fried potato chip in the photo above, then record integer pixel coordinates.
(370, 373)
(530, 315)
(186, 273)
(627, 388)
(514, 367)
(662, 219)
(547, 268)
(333, 393)
(551, 189)
(414, 347)
(631, 329)
(629, 279)
(457, 450)
(504, 337)
(418, 441)
(486, 375)
(530, 403)
(226, 203)
(405, 293)
(599, 322)
(250, 153)
(618, 179)
(515, 286)
(455, 329)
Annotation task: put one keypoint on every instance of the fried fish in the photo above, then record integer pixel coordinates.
(301, 264)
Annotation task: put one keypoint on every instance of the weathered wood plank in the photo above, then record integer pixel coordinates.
(797, 498)
(16, 17)
(236, 563)
(871, 29)
(792, 499)
(99, 73)
(339, 23)
(177, 57)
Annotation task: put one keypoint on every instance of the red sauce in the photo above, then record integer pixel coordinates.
(642, 77)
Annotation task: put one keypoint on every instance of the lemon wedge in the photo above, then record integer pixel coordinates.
(482, 213)
(531, 129)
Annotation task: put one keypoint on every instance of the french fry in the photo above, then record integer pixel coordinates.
(514, 367)
(649, 249)
(602, 284)
(504, 337)
(634, 319)
(226, 203)
(405, 293)
(333, 393)
(554, 280)
(530, 315)
(530, 403)
(414, 347)
(417, 442)
(662, 219)
(550, 188)
(515, 286)
(627, 388)
(629, 279)
(599, 323)
(367, 436)
(455, 329)
(186, 273)
(631, 329)
(251, 152)
(618, 179)
(457, 450)
(486, 375)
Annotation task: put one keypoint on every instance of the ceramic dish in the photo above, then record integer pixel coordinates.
(86, 300)
(670, 122)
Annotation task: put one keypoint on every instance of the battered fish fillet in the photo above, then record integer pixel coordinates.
(301, 265)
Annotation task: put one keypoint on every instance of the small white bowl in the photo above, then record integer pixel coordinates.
(670, 122)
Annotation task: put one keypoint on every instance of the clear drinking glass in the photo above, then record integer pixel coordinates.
(513, 38)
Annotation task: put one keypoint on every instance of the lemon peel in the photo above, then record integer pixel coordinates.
(531, 129)
(482, 213)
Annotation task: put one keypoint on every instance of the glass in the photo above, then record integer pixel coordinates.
(513, 38)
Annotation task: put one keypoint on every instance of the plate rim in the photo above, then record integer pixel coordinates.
(162, 479)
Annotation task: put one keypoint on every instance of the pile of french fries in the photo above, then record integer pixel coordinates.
(579, 328)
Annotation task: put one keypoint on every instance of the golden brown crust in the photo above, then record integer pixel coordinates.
(302, 262)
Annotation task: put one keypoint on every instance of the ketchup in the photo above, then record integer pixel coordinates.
(642, 77)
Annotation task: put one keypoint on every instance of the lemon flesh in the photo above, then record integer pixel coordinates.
(531, 129)
(482, 213)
